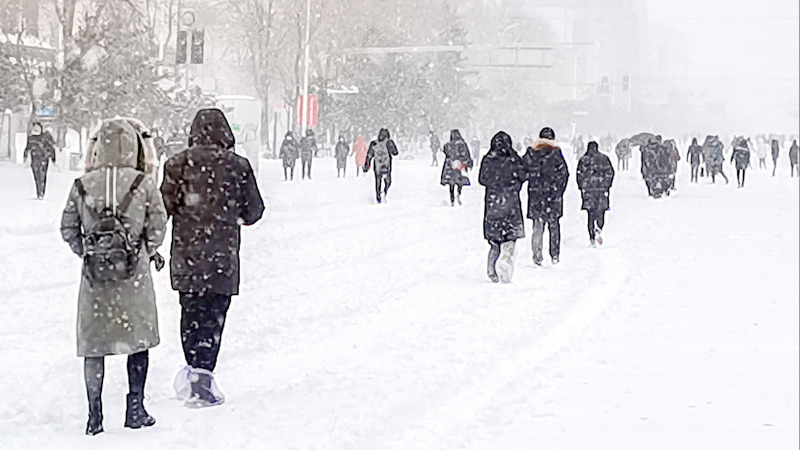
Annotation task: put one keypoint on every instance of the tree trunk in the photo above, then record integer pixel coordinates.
(266, 112)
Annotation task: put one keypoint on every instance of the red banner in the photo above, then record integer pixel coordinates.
(311, 118)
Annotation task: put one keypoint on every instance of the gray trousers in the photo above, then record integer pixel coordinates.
(554, 229)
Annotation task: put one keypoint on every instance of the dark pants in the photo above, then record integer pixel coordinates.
(382, 183)
(289, 172)
(453, 189)
(341, 171)
(762, 162)
(714, 175)
(774, 165)
(435, 161)
(554, 229)
(94, 372)
(597, 219)
(39, 170)
(695, 169)
(306, 168)
(740, 177)
(202, 321)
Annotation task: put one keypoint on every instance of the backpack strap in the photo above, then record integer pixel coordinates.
(82, 192)
(126, 201)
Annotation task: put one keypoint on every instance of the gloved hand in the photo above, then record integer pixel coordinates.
(158, 260)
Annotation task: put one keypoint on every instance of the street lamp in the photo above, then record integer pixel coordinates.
(304, 110)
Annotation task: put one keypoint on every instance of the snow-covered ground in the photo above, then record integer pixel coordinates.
(368, 326)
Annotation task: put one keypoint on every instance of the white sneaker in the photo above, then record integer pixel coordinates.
(598, 237)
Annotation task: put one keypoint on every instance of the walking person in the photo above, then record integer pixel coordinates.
(623, 151)
(41, 150)
(209, 191)
(595, 175)
(289, 155)
(763, 148)
(502, 173)
(475, 143)
(693, 156)
(776, 151)
(741, 155)
(547, 175)
(717, 160)
(457, 160)
(360, 152)
(308, 151)
(342, 150)
(115, 221)
(793, 158)
(436, 145)
(379, 155)
(674, 159)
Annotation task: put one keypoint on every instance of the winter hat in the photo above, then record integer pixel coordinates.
(547, 133)
(592, 146)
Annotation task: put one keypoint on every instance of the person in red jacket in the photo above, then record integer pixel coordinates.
(360, 150)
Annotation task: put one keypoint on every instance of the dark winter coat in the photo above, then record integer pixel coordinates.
(776, 149)
(547, 176)
(116, 317)
(209, 191)
(502, 172)
(40, 149)
(457, 160)
(381, 167)
(308, 147)
(595, 175)
(793, 153)
(342, 150)
(695, 153)
(289, 153)
(741, 155)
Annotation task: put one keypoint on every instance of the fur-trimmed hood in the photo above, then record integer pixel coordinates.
(544, 144)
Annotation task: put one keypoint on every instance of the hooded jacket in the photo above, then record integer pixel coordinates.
(381, 165)
(502, 173)
(595, 175)
(547, 176)
(289, 152)
(457, 158)
(342, 150)
(694, 153)
(116, 318)
(209, 191)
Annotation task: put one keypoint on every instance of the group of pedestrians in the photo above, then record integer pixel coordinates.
(543, 167)
(115, 221)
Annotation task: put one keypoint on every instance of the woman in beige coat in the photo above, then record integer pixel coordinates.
(118, 316)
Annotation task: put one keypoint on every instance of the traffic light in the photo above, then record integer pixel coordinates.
(625, 83)
(198, 41)
(180, 49)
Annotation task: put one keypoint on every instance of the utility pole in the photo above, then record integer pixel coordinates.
(304, 109)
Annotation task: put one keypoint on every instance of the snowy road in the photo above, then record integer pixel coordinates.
(364, 326)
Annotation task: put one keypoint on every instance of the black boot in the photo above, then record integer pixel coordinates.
(95, 423)
(136, 416)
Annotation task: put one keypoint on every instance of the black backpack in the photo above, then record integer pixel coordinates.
(110, 253)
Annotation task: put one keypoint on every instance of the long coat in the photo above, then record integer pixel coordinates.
(40, 149)
(741, 155)
(342, 150)
(793, 153)
(502, 172)
(456, 159)
(116, 318)
(595, 175)
(308, 147)
(209, 191)
(289, 153)
(547, 176)
(360, 151)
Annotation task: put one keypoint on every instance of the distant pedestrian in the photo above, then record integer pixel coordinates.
(623, 151)
(210, 192)
(793, 158)
(115, 221)
(308, 150)
(360, 152)
(457, 161)
(741, 155)
(776, 151)
(475, 143)
(547, 174)
(436, 145)
(595, 176)
(342, 150)
(693, 156)
(41, 151)
(289, 154)
(502, 173)
(379, 155)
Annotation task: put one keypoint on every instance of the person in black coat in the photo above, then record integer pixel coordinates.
(793, 150)
(694, 156)
(209, 191)
(547, 176)
(308, 150)
(502, 173)
(288, 155)
(595, 175)
(776, 151)
(342, 150)
(41, 150)
(741, 155)
(379, 156)
(457, 160)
